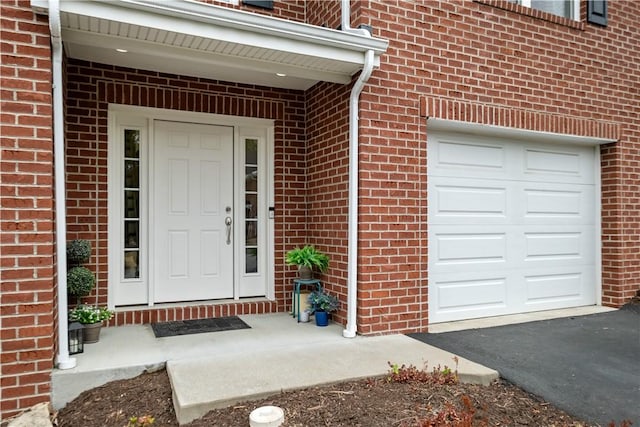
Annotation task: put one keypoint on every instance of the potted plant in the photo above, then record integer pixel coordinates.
(307, 258)
(91, 318)
(80, 280)
(322, 304)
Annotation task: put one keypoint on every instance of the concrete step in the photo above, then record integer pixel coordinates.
(202, 384)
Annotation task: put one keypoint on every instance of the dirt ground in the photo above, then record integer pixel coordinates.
(369, 402)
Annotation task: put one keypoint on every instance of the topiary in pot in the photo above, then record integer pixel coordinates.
(78, 251)
(80, 281)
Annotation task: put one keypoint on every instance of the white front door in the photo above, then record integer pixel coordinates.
(192, 212)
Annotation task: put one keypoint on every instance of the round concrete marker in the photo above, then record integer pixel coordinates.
(266, 416)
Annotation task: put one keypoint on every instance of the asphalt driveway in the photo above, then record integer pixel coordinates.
(588, 366)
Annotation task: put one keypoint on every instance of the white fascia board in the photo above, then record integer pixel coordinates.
(434, 124)
(227, 24)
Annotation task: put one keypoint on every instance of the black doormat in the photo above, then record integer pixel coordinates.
(198, 326)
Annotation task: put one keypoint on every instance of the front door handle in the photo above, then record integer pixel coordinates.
(228, 222)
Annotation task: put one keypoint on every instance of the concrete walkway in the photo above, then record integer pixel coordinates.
(277, 353)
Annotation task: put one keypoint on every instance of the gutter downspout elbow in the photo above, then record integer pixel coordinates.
(63, 360)
(352, 253)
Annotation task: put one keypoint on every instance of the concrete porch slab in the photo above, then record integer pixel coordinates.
(215, 369)
(204, 384)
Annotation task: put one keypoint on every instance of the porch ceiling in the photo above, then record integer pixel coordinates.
(202, 40)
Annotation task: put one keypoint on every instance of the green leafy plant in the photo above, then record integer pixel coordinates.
(308, 256)
(80, 281)
(78, 251)
(87, 314)
(143, 421)
(411, 374)
(322, 301)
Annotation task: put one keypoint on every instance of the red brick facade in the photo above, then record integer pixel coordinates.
(27, 291)
(485, 61)
(493, 62)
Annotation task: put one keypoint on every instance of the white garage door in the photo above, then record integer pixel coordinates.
(511, 226)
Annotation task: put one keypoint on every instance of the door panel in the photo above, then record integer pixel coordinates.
(192, 189)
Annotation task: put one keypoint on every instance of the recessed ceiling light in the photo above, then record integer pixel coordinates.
(122, 50)
(281, 75)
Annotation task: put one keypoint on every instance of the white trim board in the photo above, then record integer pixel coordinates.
(435, 124)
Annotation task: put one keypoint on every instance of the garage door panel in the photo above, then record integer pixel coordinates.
(479, 294)
(457, 201)
(567, 286)
(511, 227)
(568, 246)
(469, 153)
(571, 164)
(546, 203)
(456, 154)
(457, 248)
(464, 201)
(553, 287)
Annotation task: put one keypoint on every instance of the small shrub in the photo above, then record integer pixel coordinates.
(78, 251)
(411, 374)
(80, 281)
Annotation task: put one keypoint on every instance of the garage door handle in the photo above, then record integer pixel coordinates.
(227, 222)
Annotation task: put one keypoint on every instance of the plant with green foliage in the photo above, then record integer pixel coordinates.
(411, 374)
(80, 281)
(308, 256)
(322, 301)
(78, 251)
(88, 314)
(143, 421)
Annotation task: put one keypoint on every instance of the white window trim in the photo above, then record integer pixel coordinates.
(575, 9)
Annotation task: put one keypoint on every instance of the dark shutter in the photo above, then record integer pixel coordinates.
(264, 4)
(597, 12)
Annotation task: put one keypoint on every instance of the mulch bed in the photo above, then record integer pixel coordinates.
(372, 402)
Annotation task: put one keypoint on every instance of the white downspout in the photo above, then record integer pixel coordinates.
(63, 360)
(352, 253)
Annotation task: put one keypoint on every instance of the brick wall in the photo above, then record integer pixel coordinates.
(90, 89)
(27, 299)
(470, 61)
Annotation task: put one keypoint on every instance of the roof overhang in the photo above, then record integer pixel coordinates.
(202, 40)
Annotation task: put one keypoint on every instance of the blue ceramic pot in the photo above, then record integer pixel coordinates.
(322, 318)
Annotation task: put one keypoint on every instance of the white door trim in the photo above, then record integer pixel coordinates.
(144, 117)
